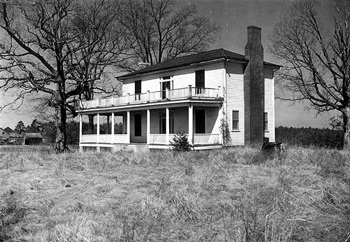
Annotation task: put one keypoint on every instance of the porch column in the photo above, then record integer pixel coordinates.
(80, 132)
(128, 126)
(221, 118)
(108, 125)
(190, 124)
(112, 129)
(167, 126)
(148, 126)
(98, 132)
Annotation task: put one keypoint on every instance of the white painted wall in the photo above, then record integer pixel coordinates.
(180, 78)
(230, 76)
(270, 103)
(235, 100)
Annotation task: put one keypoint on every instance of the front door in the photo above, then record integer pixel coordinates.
(165, 86)
(138, 124)
(200, 121)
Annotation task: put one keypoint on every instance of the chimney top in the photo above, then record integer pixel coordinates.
(253, 46)
(253, 27)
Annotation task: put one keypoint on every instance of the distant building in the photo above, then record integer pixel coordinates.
(9, 130)
(3, 136)
(15, 138)
(32, 139)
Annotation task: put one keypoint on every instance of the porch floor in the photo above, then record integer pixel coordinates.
(142, 147)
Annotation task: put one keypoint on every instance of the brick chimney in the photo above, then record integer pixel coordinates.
(254, 89)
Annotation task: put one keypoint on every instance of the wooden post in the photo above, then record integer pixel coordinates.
(148, 126)
(112, 129)
(80, 132)
(98, 132)
(128, 126)
(190, 124)
(167, 126)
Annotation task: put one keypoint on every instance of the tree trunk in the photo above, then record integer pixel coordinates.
(61, 144)
(346, 128)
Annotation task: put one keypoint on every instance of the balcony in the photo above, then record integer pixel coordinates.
(148, 97)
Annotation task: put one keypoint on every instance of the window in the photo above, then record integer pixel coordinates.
(164, 85)
(200, 81)
(200, 121)
(137, 90)
(138, 124)
(266, 122)
(235, 120)
(162, 122)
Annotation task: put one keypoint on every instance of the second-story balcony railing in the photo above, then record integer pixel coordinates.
(168, 94)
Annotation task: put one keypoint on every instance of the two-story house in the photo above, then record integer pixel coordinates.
(196, 94)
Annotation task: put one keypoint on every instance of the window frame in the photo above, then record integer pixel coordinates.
(266, 121)
(235, 121)
(138, 90)
(199, 81)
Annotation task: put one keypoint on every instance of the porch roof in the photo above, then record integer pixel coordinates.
(154, 105)
(194, 59)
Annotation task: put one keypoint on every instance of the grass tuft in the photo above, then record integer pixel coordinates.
(234, 194)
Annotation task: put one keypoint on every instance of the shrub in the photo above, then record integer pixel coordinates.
(180, 142)
(225, 132)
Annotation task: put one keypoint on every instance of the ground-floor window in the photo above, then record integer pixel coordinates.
(266, 121)
(162, 122)
(235, 120)
(200, 121)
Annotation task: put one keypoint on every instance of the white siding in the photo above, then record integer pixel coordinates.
(270, 104)
(235, 100)
(180, 78)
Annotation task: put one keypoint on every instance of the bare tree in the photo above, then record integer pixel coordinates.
(157, 30)
(317, 60)
(50, 48)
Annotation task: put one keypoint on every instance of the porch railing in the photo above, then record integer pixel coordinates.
(168, 94)
(154, 138)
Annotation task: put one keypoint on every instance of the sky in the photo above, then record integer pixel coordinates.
(233, 17)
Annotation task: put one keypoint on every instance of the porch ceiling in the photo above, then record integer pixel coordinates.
(155, 105)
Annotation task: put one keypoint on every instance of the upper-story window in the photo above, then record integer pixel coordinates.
(200, 81)
(137, 90)
(165, 84)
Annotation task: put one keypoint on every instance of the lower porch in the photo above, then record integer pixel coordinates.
(151, 128)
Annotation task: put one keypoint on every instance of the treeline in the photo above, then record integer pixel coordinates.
(306, 137)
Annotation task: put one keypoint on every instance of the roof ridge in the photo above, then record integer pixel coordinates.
(182, 61)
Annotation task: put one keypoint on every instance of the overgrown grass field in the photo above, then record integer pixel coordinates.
(236, 194)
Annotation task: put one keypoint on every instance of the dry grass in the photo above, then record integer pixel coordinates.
(227, 195)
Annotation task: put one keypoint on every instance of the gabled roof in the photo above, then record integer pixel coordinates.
(8, 130)
(194, 59)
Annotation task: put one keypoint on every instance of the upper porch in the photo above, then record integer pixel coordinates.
(155, 97)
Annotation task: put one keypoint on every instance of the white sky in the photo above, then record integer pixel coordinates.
(233, 17)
